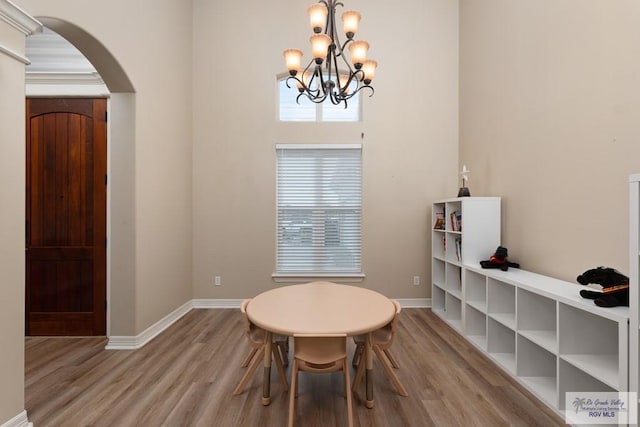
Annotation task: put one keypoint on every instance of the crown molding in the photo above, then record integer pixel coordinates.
(18, 18)
(14, 55)
(64, 78)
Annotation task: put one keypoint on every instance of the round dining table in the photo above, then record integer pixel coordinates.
(320, 308)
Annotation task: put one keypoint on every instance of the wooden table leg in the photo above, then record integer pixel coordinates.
(266, 384)
(368, 377)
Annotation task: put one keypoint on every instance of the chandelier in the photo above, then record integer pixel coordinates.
(323, 78)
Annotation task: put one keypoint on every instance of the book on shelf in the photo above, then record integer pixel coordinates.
(456, 220)
(458, 248)
(440, 222)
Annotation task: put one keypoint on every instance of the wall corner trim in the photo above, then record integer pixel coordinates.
(138, 341)
(19, 420)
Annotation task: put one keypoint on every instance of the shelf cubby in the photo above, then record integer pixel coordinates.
(536, 368)
(590, 343)
(453, 252)
(453, 311)
(451, 208)
(501, 304)
(537, 319)
(476, 290)
(501, 345)
(437, 273)
(453, 274)
(475, 327)
(573, 379)
(438, 244)
(438, 296)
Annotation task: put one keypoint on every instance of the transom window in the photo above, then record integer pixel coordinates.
(319, 203)
(307, 111)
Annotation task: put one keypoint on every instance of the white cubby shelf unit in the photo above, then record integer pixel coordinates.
(634, 282)
(542, 332)
(538, 329)
(466, 230)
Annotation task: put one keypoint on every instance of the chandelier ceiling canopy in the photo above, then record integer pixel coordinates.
(329, 74)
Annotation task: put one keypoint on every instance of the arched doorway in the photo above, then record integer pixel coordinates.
(120, 267)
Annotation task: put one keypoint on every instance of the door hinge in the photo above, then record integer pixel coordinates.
(105, 179)
(105, 304)
(105, 242)
(106, 116)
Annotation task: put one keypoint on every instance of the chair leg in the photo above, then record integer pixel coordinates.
(247, 359)
(392, 359)
(357, 354)
(359, 373)
(392, 376)
(292, 392)
(283, 352)
(281, 374)
(347, 388)
(247, 375)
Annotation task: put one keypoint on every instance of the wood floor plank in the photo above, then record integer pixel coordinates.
(186, 375)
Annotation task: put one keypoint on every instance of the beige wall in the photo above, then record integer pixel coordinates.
(549, 108)
(152, 42)
(410, 148)
(12, 214)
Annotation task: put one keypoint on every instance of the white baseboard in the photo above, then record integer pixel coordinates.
(19, 420)
(217, 303)
(133, 343)
(138, 341)
(235, 303)
(414, 302)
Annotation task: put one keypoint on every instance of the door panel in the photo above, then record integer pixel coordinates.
(66, 217)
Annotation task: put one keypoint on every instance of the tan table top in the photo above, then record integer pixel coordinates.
(320, 308)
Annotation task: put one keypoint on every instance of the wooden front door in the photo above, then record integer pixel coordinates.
(66, 216)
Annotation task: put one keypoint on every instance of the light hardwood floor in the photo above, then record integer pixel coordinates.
(185, 377)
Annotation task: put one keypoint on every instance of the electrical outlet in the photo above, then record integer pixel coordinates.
(416, 280)
(216, 281)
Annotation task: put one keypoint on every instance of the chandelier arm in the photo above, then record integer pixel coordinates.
(293, 78)
(360, 88)
(344, 45)
(322, 84)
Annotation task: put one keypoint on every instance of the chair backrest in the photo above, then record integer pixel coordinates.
(396, 303)
(320, 353)
(245, 319)
(253, 333)
(384, 337)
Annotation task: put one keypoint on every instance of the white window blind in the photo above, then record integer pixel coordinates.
(319, 201)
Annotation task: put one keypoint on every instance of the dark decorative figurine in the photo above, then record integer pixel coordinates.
(615, 287)
(499, 260)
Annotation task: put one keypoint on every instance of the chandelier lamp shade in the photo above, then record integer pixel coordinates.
(330, 75)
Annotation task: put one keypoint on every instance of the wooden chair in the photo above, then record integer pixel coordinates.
(256, 336)
(319, 354)
(382, 341)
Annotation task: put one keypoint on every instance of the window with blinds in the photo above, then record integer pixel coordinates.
(319, 202)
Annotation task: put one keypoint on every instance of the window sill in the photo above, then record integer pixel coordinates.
(306, 277)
